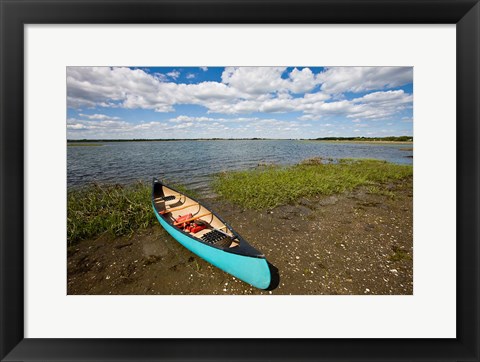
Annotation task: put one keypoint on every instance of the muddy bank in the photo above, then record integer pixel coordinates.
(353, 243)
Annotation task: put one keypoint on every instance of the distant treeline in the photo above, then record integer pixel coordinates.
(164, 139)
(389, 139)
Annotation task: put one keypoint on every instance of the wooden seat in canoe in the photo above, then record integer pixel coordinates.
(178, 208)
(164, 199)
(167, 198)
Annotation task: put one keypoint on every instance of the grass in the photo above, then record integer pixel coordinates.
(121, 210)
(399, 255)
(114, 209)
(268, 187)
(378, 190)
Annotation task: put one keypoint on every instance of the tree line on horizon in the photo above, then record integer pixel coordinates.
(389, 138)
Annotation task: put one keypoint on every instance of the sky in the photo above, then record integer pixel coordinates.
(238, 102)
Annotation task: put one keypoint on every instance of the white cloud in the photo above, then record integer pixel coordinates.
(78, 124)
(190, 76)
(174, 74)
(254, 80)
(160, 77)
(302, 80)
(190, 119)
(264, 80)
(204, 68)
(373, 106)
(246, 90)
(183, 127)
(97, 116)
(358, 79)
(111, 87)
(398, 96)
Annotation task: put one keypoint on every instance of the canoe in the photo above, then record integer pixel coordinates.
(207, 235)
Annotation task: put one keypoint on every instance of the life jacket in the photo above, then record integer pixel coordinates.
(183, 218)
(180, 219)
(194, 228)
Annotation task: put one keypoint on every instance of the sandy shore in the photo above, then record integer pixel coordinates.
(353, 243)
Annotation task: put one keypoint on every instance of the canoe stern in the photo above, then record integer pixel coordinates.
(252, 270)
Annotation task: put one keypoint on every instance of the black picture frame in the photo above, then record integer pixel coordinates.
(15, 14)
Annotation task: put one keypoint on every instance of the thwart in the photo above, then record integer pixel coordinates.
(206, 234)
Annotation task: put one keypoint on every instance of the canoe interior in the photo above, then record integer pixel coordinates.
(171, 204)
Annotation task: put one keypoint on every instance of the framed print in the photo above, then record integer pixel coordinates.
(315, 180)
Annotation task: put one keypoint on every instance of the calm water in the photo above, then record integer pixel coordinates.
(193, 163)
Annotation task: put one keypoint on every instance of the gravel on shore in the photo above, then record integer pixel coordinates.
(355, 243)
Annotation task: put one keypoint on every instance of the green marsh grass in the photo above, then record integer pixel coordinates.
(272, 186)
(400, 254)
(114, 209)
(378, 190)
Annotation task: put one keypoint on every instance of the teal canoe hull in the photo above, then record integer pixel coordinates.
(254, 271)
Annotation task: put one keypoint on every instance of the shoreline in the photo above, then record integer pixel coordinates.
(365, 142)
(124, 209)
(353, 243)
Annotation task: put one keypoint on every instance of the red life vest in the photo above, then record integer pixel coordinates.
(183, 218)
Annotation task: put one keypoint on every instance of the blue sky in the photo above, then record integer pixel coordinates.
(238, 102)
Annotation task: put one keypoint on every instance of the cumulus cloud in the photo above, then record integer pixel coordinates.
(112, 87)
(109, 124)
(254, 80)
(372, 106)
(301, 81)
(264, 80)
(98, 116)
(246, 90)
(190, 119)
(358, 79)
(182, 126)
(174, 74)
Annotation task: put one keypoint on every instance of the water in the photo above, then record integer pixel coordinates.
(193, 163)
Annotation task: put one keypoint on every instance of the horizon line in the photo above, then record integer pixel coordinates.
(234, 138)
